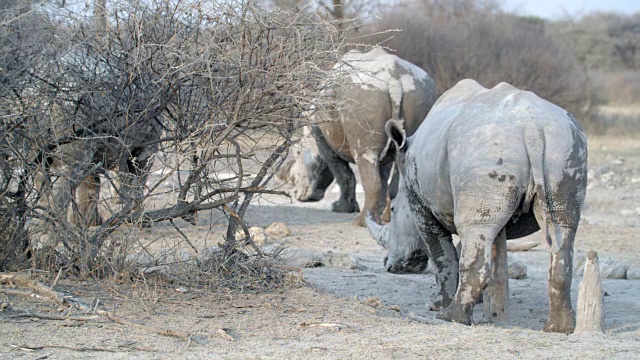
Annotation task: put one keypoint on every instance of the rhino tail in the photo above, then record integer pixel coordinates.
(540, 190)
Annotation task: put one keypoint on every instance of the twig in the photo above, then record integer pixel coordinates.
(24, 281)
(121, 321)
(183, 235)
(327, 325)
(74, 348)
(152, 329)
(55, 282)
(22, 293)
(224, 334)
(53, 316)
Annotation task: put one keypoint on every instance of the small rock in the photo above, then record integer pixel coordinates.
(521, 245)
(257, 235)
(374, 302)
(613, 269)
(295, 257)
(277, 230)
(633, 273)
(517, 269)
(339, 260)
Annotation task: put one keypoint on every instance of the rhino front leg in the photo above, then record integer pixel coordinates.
(320, 177)
(342, 172)
(444, 256)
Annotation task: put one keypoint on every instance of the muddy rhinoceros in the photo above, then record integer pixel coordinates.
(487, 164)
(375, 86)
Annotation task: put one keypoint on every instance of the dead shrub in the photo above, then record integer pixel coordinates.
(173, 109)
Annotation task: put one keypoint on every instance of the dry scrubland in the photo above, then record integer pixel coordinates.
(350, 308)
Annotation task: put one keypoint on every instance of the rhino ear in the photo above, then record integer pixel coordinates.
(395, 132)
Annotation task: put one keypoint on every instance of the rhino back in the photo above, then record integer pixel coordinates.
(476, 144)
(377, 87)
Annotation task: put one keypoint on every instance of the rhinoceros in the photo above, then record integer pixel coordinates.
(486, 164)
(375, 86)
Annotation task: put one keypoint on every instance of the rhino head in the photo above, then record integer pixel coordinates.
(406, 251)
(306, 170)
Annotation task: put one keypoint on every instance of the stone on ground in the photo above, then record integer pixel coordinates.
(277, 230)
(633, 273)
(257, 235)
(517, 269)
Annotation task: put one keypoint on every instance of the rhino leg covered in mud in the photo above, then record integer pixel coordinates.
(375, 87)
(488, 164)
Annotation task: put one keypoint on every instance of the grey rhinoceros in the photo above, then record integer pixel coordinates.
(486, 164)
(374, 87)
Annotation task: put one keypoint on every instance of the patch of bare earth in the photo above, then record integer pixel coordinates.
(354, 311)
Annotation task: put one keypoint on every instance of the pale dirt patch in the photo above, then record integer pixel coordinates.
(356, 313)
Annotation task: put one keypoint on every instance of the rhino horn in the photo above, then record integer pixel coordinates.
(379, 232)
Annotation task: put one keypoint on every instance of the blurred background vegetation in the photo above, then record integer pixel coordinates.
(588, 64)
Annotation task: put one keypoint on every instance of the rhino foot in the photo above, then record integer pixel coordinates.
(438, 302)
(345, 206)
(455, 313)
(317, 195)
(360, 221)
(561, 322)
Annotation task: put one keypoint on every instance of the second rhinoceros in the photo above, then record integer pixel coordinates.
(374, 87)
(487, 164)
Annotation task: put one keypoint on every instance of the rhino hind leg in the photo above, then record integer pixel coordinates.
(558, 213)
(475, 272)
(561, 315)
(374, 181)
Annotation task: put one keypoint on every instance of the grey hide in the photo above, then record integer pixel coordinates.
(484, 160)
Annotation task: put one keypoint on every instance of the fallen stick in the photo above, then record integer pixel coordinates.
(28, 294)
(74, 348)
(17, 279)
(521, 245)
(224, 334)
(53, 316)
(327, 325)
(152, 329)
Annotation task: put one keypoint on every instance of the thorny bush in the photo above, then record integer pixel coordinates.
(135, 113)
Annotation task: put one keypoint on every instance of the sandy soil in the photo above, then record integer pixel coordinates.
(356, 313)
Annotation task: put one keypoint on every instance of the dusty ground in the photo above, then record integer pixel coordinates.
(356, 313)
